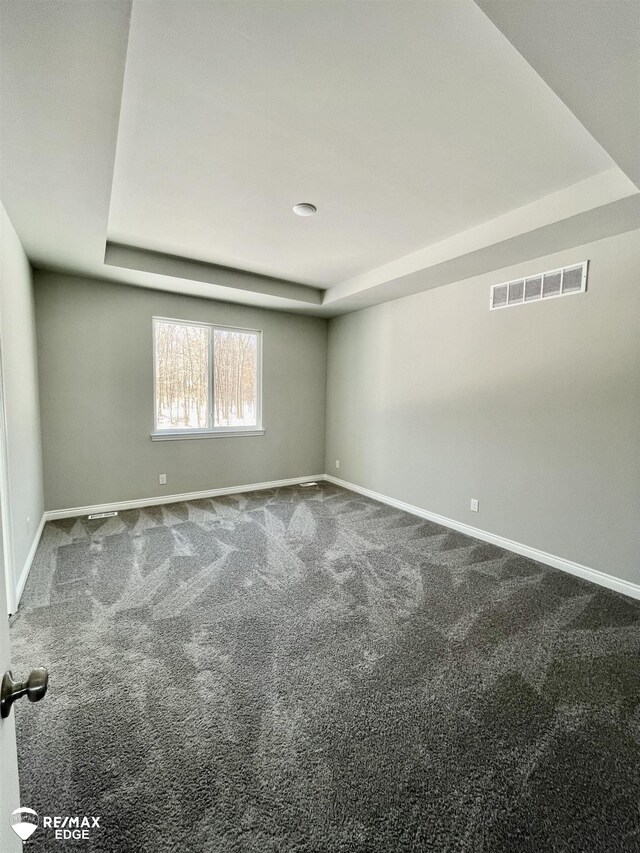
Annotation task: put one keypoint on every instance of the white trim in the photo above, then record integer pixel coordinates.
(207, 323)
(170, 499)
(594, 575)
(176, 435)
(28, 563)
(5, 503)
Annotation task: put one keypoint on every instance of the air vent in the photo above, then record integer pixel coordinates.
(516, 292)
(499, 295)
(103, 515)
(551, 284)
(533, 288)
(544, 285)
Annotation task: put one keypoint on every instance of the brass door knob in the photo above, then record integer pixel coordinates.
(34, 688)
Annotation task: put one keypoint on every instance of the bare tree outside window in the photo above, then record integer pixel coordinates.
(235, 388)
(192, 393)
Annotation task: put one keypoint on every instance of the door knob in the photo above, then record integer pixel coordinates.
(35, 687)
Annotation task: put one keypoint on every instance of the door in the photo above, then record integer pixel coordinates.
(9, 789)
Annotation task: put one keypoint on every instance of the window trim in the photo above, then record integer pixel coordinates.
(213, 431)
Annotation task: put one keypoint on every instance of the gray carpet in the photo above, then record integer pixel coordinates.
(313, 671)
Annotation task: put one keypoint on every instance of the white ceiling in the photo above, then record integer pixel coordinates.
(594, 68)
(181, 134)
(404, 125)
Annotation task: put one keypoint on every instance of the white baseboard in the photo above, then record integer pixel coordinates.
(594, 575)
(118, 506)
(24, 574)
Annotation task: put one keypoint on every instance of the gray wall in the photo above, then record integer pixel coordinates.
(24, 504)
(96, 392)
(534, 410)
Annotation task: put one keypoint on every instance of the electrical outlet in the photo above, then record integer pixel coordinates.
(474, 505)
(162, 479)
(28, 525)
(337, 463)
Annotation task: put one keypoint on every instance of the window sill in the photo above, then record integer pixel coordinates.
(219, 433)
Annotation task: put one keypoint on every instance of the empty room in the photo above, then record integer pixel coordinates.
(320, 426)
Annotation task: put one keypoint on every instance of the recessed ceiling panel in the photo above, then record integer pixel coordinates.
(403, 123)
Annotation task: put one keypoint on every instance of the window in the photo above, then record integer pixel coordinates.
(206, 379)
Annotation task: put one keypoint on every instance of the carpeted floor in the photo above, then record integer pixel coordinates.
(309, 670)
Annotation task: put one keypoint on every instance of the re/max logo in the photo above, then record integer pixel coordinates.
(67, 827)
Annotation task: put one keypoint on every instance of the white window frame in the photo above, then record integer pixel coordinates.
(212, 431)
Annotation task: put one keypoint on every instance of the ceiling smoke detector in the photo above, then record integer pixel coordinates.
(304, 209)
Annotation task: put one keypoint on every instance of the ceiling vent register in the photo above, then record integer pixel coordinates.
(543, 285)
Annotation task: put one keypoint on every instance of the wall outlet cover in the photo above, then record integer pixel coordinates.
(474, 505)
(162, 479)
